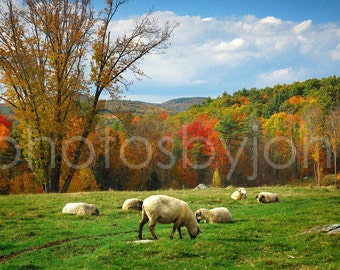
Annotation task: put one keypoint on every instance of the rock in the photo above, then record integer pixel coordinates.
(330, 229)
(202, 186)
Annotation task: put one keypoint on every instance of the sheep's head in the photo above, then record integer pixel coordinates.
(193, 236)
(91, 208)
(243, 193)
(199, 215)
(95, 213)
(260, 198)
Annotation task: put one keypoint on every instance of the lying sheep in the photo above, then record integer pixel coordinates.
(165, 209)
(80, 208)
(215, 215)
(132, 204)
(239, 194)
(267, 197)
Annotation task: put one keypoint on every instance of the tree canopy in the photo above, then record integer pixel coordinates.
(44, 48)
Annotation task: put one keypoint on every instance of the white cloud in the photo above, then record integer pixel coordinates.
(305, 25)
(335, 54)
(280, 76)
(276, 75)
(257, 52)
(208, 19)
(271, 20)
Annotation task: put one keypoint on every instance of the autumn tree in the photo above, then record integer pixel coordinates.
(199, 140)
(44, 47)
(312, 121)
(216, 180)
(333, 133)
(5, 130)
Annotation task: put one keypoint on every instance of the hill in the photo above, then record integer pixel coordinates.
(135, 107)
(172, 106)
(138, 107)
(182, 104)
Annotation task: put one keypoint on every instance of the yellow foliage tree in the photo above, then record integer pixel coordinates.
(216, 180)
(43, 48)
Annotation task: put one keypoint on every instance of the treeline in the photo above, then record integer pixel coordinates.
(275, 135)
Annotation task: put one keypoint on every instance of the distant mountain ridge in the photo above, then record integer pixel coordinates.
(182, 104)
(138, 107)
(172, 106)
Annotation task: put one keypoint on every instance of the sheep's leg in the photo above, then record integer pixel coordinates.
(173, 231)
(179, 232)
(152, 230)
(143, 221)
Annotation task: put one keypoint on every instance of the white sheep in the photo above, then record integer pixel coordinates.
(80, 208)
(239, 194)
(165, 209)
(267, 197)
(215, 215)
(132, 204)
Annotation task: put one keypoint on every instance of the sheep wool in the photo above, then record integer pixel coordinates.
(132, 204)
(267, 197)
(165, 209)
(239, 194)
(80, 208)
(215, 215)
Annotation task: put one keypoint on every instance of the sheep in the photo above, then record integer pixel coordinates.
(80, 208)
(239, 194)
(215, 215)
(132, 204)
(165, 209)
(267, 197)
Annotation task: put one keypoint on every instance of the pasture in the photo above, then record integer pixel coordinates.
(36, 235)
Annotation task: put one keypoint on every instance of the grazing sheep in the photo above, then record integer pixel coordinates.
(132, 204)
(215, 215)
(165, 209)
(267, 197)
(239, 194)
(80, 208)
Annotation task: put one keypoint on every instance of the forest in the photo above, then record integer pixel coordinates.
(277, 135)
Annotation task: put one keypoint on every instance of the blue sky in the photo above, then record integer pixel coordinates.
(230, 45)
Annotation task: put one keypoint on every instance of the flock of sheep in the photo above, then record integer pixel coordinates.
(165, 210)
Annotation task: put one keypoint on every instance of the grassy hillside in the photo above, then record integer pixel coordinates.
(36, 235)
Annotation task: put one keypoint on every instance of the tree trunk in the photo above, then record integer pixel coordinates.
(335, 170)
(56, 174)
(80, 147)
(75, 163)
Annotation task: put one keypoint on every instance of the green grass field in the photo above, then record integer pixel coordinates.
(36, 235)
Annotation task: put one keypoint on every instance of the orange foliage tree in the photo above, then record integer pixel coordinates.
(5, 130)
(199, 141)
